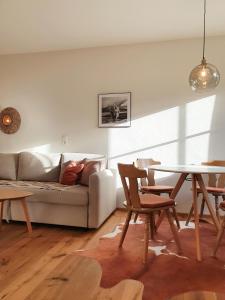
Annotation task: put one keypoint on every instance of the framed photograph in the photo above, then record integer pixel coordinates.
(114, 110)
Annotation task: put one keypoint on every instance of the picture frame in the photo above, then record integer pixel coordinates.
(114, 110)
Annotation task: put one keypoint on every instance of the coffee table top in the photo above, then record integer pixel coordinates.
(12, 194)
(190, 169)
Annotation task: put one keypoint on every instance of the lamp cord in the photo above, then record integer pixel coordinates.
(203, 52)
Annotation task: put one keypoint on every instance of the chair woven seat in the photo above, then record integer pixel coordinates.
(157, 188)
(213, 190)
(154, 201)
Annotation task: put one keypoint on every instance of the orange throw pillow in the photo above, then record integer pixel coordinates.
(72, 173)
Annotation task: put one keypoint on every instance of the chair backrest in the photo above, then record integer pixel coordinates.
(144, 163)
(129, 176)
(216, 180)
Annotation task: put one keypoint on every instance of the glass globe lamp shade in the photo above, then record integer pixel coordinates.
(204, 77)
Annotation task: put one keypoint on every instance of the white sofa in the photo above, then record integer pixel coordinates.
(52, 202)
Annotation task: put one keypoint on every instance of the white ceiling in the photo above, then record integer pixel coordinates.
(44, 25)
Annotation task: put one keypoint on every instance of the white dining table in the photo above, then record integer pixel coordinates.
(195, 171)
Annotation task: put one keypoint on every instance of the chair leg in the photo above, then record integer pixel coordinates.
(135, 217)
(217, 206)
(175, 214)
(219, 237)
(175, 217)
(202, 207)
(174, 231)
(147, 226)
(152, 224)
(125, 227)
(160, 219)
(1, 214)
(189, 215)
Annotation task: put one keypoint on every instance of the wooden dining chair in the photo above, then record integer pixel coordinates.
(148, 184)
(146, 204)
(221, 231)
(215, 187)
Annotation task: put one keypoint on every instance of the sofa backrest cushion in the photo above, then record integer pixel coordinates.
(79, 157)
(8, 165)
(39, 166)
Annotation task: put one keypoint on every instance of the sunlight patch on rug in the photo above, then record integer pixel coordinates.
(163, 250)
(139, 221)
(118, 229)
(114, 233)
(157, 249)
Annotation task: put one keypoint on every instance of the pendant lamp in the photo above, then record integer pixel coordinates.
(205, 76)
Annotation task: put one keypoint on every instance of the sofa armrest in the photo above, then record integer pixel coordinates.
(102, 197)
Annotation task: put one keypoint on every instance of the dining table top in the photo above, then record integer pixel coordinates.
(189, 169)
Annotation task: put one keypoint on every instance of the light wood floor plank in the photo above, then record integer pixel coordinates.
(27, 260)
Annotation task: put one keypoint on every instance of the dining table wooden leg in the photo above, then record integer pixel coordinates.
(196, 217)
(189, 215)
(178, 185)
(217, 207)
(172, 196)
(202, 207)
(206, 198)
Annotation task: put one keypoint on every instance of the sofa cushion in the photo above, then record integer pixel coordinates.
(50, 192)
(8, 165)
(39, 166)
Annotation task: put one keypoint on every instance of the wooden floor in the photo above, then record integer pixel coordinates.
(25, 260)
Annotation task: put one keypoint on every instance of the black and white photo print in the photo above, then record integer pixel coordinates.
(114, 110)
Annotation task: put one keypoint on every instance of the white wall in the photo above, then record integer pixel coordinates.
(56, 94)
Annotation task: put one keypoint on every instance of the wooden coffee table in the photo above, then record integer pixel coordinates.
(16, 195)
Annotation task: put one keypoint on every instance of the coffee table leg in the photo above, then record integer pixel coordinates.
(24, 205)
(196, 216)
(206, 197)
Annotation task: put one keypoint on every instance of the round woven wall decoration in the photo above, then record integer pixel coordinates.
(9, 120)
